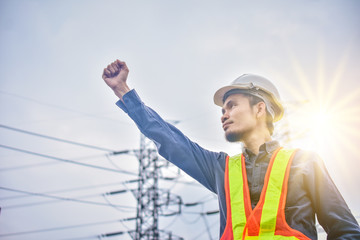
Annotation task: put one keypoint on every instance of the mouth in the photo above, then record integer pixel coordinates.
(226, 125)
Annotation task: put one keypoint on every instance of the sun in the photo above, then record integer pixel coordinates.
(316, 127)
(324, 114)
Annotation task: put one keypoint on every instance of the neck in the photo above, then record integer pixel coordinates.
(255, 140)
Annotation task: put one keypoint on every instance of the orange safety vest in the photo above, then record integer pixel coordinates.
(267, 219)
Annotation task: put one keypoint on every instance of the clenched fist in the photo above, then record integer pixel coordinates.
(115, 76)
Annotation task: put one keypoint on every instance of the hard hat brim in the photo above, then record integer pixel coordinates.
(219, 94)
(219, 99)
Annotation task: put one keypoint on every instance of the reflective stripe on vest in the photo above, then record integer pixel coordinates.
(267, 219)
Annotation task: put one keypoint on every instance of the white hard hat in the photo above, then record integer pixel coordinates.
(257, 86)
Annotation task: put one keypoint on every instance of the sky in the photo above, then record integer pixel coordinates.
(52, 54)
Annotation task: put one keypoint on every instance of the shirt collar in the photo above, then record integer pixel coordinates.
(267, 147)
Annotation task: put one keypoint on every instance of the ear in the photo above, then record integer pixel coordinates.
(260, 109)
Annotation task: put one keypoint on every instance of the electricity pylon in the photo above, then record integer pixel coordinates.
(149, 197)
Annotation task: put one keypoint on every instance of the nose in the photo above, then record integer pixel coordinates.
(224, 117)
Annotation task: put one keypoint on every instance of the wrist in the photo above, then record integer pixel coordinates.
(121, 90)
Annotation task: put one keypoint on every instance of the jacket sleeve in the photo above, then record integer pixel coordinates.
(331, 209)
(171, 143)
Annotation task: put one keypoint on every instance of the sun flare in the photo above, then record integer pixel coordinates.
(324, 115)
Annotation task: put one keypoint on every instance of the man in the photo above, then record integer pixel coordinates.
(264, 193)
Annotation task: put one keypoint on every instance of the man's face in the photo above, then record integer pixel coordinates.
(238, 117)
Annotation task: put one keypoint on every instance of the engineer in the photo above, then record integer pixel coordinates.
(267, 192)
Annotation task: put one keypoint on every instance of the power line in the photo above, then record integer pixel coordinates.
(65, 227)
(60, 107)
(57, 139)
(192, 183)
(39, 102)
(73, 189)
(67, 160)
(52, 163)
(162, 235)
(56, 200)
(61, 198)
(44, 164)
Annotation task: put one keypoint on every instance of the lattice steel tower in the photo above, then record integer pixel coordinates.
(152, 202)
(147, 193)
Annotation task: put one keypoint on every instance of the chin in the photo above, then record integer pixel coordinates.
(233, 136)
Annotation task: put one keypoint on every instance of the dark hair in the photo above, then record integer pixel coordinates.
(253, 100)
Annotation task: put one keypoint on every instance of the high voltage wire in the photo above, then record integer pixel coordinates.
(39, 102)
(46, 194)
(61, 107)
(66, 227)
(112, 234)
(52, 163)
(88, 202)
(88, 165)
(56, 200)
(73, 189)
(89, 196)
(16, 206)
(62, 198)
(57, 139)
(67, 160)
(112, 152)
(43, 164)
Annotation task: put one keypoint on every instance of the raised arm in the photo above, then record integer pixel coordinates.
(172, 144)
(115, 76)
